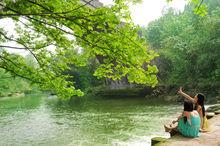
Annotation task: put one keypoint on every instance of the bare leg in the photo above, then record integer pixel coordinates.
(170, 127)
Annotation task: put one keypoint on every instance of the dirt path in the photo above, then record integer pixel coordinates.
(211, 138)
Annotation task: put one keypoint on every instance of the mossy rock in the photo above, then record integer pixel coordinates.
(156, 140)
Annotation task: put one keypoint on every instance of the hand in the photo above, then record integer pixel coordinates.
(174, 121)
(180, 90)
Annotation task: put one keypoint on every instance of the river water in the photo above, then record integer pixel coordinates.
(37, 120)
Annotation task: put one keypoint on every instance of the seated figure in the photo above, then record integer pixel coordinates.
(188, 122)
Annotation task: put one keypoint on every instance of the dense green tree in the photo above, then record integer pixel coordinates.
(188, 45)
(10, 83)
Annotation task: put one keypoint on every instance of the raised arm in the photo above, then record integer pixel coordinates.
(185, 95)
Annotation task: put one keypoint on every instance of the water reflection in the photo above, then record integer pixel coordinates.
(47, 121)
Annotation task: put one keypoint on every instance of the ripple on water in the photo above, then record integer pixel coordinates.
(130, 122)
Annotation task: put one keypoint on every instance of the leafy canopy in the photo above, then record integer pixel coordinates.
(61, 33)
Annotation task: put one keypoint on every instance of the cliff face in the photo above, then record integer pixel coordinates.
(119, 84)
(92, 3)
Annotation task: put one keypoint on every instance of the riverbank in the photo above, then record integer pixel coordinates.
(162, 93)
(15, 94)
(22, 93)
(211, 138)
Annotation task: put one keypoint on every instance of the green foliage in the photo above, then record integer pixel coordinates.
(60, 34)
(10, 84)
(83, 75)
(199, 7)
(188, 46)
(202, 10)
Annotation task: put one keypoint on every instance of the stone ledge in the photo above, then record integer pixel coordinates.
(211, 138)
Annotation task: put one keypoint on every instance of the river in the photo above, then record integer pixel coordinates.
(38, 120)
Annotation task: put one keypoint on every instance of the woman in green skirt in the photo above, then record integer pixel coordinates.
(188, 122)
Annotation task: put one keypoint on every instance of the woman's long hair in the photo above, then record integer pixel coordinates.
(201, 99)
(188, 106)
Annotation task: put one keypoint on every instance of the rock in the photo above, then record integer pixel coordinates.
(92, 4)
(217, 112)
(213, 108)
(210, 115)
(170, 98)
(18, 94)
(156, 140)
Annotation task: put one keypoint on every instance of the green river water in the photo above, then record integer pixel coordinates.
(37, 120)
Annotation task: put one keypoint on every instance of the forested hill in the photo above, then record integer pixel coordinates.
(189, 46)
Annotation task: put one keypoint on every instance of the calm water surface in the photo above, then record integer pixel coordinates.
(36, 120)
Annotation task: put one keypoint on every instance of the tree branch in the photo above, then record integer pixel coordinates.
(3, 46)
(26, 47)
(61, 12)
(199, 4)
